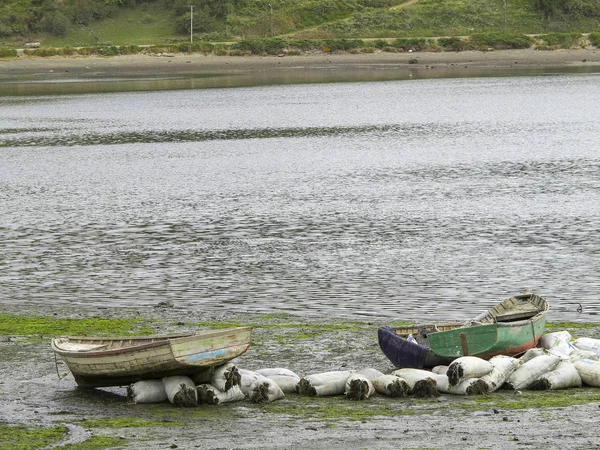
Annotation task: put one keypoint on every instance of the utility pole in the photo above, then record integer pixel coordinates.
(192, 23)
(271, 9)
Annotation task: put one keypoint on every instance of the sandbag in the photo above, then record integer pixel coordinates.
(503, 367)
(549, 340)
(226, 376)
(210, 395)
(147, 391)
(563, 377)
(588, 344)
(440, 370)
(371, 374)
(324, 384)
(558, 343)
(181, 391)
(467, 386)
(583, 354)
(258, 388)
(285, 379)
(589, 371)
(358, 387)
(467, 367)
(530, 371)
(422, 383)
(392, 386)
(532, 353)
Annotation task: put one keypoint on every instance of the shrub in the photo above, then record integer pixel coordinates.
(109, 51)
(595, 39)
(129, 49)
(501, 41)
(7, 52)
(561, 40)
(56, 24)
(452, 44)
(270, 46)
(415, 44)
(344, 45)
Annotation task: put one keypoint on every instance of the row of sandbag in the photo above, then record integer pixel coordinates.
(213, 386)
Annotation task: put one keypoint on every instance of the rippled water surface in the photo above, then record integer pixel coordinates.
(403, 200)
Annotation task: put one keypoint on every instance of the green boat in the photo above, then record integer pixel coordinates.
(509, 328)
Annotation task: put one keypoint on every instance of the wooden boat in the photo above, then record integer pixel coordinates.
(118, 361)
(511, 327)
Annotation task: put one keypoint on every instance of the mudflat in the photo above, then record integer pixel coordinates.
(31, 393)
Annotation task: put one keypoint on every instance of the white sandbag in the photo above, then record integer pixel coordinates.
(269, 372)
(258, 388)
(422, 383)
(503, 367)
(285, 379)
(226, 376)
(324, 384)
(589, 371)
(532, 353)
(467, 386)
(210, 395)
(558, 343)
(588, 344)
(440, 370)
(392, 386)
(181, 391)
(147, 391)
(530, 371)
(467, 367)
(358, 387)
(370, 373)
(563, 377)
(549, 340)
(583, 354)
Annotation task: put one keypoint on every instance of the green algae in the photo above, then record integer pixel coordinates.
(21, 437)
(335, 408)
(15, 325)
(95, 443)
(128, 422)
(536, 399)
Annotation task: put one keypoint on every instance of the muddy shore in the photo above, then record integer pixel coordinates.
(173, 65)
(32, 394)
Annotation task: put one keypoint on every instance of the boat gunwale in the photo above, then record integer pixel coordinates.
(157, 341)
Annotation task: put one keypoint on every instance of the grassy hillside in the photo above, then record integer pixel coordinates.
(60, 23)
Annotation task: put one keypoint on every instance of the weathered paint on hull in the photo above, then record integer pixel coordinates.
(154, 359)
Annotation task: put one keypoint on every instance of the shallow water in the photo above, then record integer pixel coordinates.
(401, 200)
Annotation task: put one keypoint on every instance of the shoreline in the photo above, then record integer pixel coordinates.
(31, 69)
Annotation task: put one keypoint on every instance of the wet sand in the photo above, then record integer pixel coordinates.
(32, 394)
(177, 65)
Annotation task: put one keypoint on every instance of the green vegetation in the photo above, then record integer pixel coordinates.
(15, 325)
(128, 422)
(339, 25)
(336, 408)
(537, 399)
(21, 437)
(95, 443)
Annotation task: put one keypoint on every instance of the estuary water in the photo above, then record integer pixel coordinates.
(399, 200)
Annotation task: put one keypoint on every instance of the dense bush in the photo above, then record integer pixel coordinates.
(7, 52)
(415, 45)
(561, 40)
(453, 44)
(595, 39)
(501, 41)
(270, 46)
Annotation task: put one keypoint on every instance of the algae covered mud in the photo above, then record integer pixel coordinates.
(37, 409)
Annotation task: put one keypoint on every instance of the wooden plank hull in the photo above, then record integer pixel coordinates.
(121, 361)
(511, 327)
